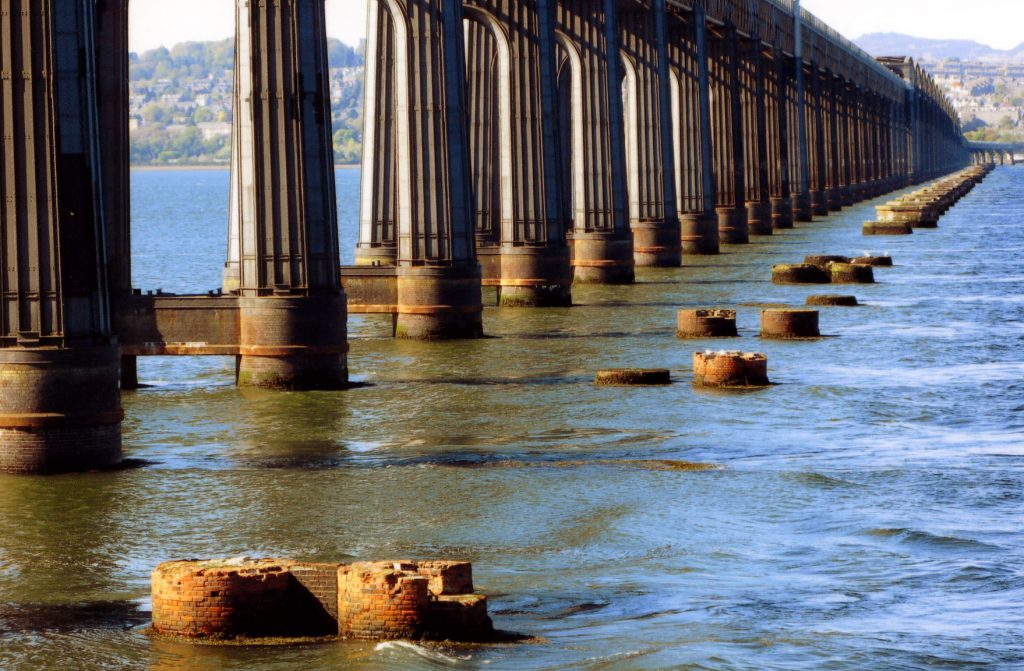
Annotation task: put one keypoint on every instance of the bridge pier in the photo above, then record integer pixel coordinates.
(777, 131)
(487, 114)
(590, 90)
(691, 130)
(818, 149)
(653, 217)
(832, 101)
(755, 136)
(421, 65)
(521, 223)
(292, 308)
(60, 406)
(727, 137)
(378, 241)
(846, 175)
(111, 18)
(803, 209)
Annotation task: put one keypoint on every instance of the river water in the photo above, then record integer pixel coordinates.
(864, 513)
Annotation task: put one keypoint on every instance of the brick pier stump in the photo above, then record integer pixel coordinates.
(851, 273)
(623, 377)
(789, 324)
(706, 323)
(225, 599)
(874, 261)
(833, 301)
(799, 273)
(886, 228)
(730, 369)
(822, 260)
(221, 599)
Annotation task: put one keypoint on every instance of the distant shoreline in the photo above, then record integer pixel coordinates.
(155, 168)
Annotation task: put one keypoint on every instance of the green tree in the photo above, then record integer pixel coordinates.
(202, 115)
(155, 113)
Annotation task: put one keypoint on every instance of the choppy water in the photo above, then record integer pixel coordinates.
(866, 515)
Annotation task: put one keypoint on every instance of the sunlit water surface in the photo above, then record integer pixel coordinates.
(866, 515)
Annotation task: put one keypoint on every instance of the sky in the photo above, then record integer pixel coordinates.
(997, 23)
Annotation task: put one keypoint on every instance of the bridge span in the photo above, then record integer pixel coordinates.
(523, 144)
(1000, 153)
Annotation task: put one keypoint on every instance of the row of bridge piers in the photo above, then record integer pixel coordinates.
(993, 156)
(605, 136)
(522, 144)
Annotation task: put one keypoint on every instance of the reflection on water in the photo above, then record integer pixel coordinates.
(863, 513)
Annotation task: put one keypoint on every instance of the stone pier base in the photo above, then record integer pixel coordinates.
(656, 244)
(293, 342)
(759, 218)
(535, 277)
(732, 225)
(439, 303)
(819, 203)
(699, 233)
(782, 213)
(599, 258)
(802, 209)
(60, 409)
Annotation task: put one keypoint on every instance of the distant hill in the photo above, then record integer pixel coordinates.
(895, 44)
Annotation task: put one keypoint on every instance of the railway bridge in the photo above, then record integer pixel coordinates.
(999, 153)
(522, 144)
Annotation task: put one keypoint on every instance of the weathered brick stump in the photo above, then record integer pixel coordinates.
(886, 228)
(617, 377)
(789, 324)
(730, 369)
(392, 600)
(221, 599)
(911, 211)
(271, 598)
(833, 301)
(799, 273)
(851, 273)
(874, 261)
(822, 260)
(706, 324)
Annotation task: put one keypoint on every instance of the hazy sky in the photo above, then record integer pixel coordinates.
(998, 23)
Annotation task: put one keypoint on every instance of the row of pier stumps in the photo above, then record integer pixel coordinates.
(273, 599)
(736, 369)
